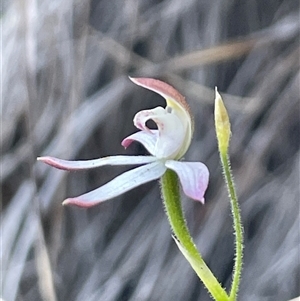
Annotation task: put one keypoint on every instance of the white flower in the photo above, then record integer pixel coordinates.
(167, 144)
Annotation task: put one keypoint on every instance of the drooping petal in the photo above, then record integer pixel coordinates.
(119, 185)
(177, 103)
(87, 164)
(170, 128)
(147, 139)
(193, 177)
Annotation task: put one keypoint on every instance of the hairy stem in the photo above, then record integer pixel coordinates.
(172, 203)
(238, 228)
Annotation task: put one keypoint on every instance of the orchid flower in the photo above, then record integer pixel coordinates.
(167, 145)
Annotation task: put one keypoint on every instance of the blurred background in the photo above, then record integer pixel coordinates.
(66, 93)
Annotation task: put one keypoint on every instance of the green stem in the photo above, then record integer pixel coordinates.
(172, 203)
(238, 228)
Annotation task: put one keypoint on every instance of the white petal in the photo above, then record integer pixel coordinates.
(171, 136)
(86, 164)
(193, 177)
(172, 132)
(174, 100)
(119, 185)
(143, 116)
(147, 139)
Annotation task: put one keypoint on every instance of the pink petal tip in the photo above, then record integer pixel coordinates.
(51, 161)
(78, 202)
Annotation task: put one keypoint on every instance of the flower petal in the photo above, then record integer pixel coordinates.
(171, 130)
(171, 136)
(142, 117)
(163, 89)
(86, 164)
(125, 182)
(176, 102)
(193, 177)
(147, 139)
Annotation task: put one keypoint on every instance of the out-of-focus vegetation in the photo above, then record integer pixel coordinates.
(65, 93)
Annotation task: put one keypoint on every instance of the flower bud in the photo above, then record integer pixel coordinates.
(222, 124)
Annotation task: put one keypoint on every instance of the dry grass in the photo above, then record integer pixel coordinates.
(65, 93)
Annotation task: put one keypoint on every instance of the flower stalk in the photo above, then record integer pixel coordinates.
(223, 132)
(238, 228)
(173, 208)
